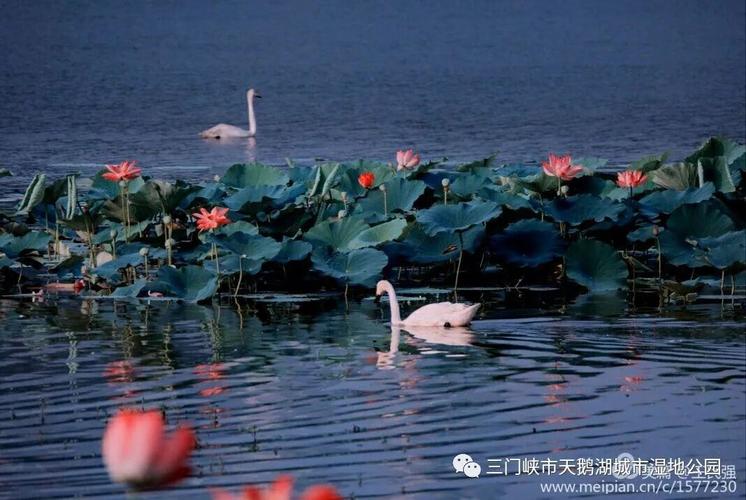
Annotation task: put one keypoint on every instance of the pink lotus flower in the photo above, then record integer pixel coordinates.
(366, 179)
(407, 159)
(630, 178)
(207, 221)
(125, 171)
(136, 451)
(281, 489)
(561, 167)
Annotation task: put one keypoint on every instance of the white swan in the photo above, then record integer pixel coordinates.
(225, 131)
(440, 314)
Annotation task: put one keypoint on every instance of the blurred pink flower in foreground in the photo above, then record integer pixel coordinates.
(137, 452)
(562, 167)
(281, 489)
(407, 159)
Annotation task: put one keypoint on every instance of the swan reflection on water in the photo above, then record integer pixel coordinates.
(456, 336)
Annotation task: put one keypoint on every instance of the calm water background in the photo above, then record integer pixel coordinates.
(316, 391)
(84, 83)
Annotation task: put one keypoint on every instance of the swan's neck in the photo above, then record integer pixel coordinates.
(252, 120)
(394, 304)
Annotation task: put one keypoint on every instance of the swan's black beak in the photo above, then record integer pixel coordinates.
(257, 95)
(377, 300)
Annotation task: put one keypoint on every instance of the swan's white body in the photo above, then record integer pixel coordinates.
(441, 314)
(225, 131)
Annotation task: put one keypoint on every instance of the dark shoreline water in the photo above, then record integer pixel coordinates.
(316, 391)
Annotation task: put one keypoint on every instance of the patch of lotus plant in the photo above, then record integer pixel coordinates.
(573, 223)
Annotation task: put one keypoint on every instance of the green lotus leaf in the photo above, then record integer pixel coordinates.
(376, 235)
(253, 246)
(716, 170)
(336, 234)
(111, 270)
(649, 163)
(595, 265)
(357, 267)
(293, 250)
(240, 226)
(243, 175)
(724, 251)
(401, 195)
(33, 196)
(189, 283)
(104, 188)
(505, 198)
(129, 291)
(677, 176)
(349, 172)
(605, 188)
(715, 147)
(71, 267)
(669, 200)
(210, 194)
(457, 217)
(590, 164)
(585, 207)
(527, 243)
(421, 248)
(688, 224)
(253, 199)
(31, 242)
(465, 186)
(642, 234)
(481, 167)
(6, 262)
(539, 182)
(325, 177)
(233, 263)
(161, 196)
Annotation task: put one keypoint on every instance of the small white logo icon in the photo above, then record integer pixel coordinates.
(624, 467)
(463, 463)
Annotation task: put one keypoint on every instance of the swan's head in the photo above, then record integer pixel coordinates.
(252, 94)
(381, 287)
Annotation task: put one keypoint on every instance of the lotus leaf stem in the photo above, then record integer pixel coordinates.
(460, 256)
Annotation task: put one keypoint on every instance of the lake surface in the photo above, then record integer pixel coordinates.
(85, 83)
(311, 389)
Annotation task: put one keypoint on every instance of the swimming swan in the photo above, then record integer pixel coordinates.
(225, 131)
(440, 314)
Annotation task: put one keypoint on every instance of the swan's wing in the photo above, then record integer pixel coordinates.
(223, 130)
(441, 314)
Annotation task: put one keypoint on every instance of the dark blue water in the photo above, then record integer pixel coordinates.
(83, 83)
(335, 396)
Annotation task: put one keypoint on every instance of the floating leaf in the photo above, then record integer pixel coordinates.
(358, 267)
(527, 243)
(242, 175)
(457, 217)
(585, 207)
(595, 265)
